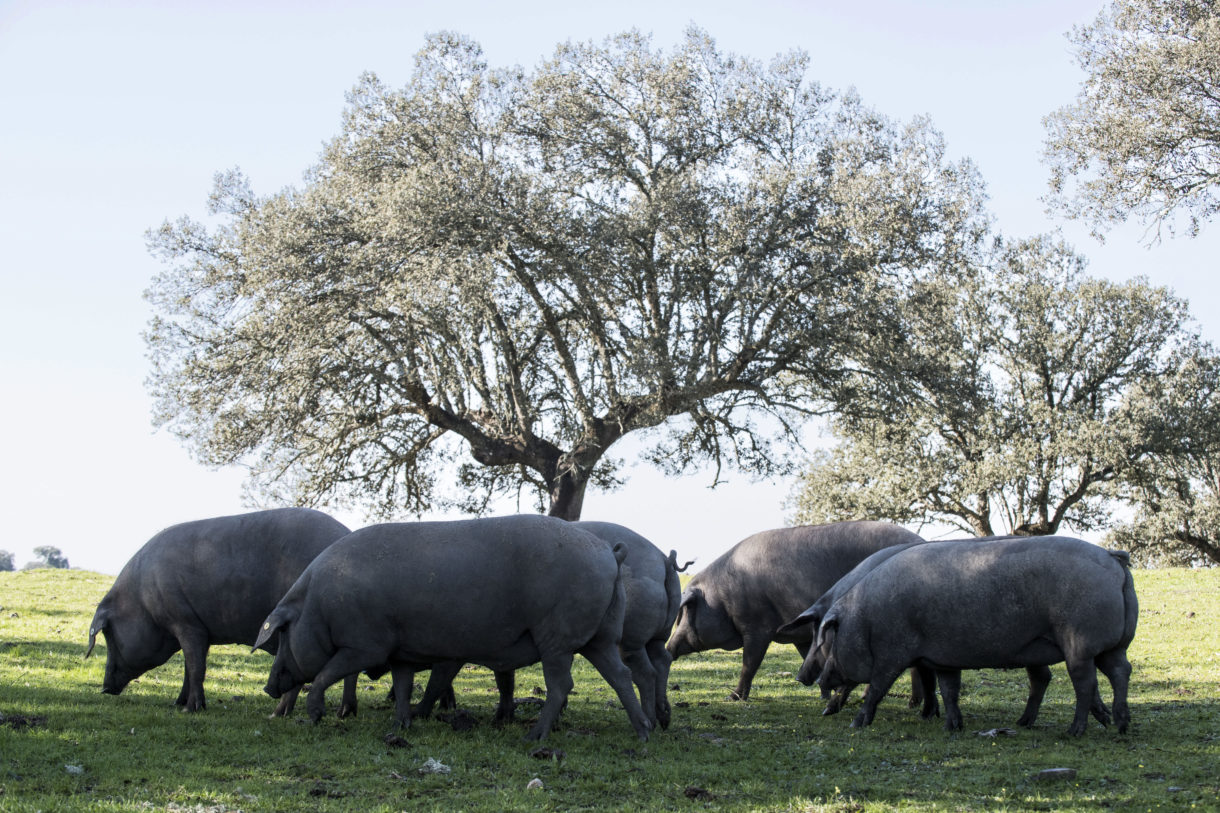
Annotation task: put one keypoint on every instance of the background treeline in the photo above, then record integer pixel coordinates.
(48, 556)
(492, 276)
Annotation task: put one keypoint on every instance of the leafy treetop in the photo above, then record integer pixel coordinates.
(502, 273)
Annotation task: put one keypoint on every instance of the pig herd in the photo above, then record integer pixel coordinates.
(861, 601)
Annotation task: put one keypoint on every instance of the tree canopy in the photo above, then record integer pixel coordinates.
(1175, 491)
(1004, 403)
(1142, 138)
(492, 276)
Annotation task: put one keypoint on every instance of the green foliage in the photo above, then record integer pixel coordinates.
(504, 272)
(1176, 489)
(1142, 138)
(773, 753)
(1003, 401)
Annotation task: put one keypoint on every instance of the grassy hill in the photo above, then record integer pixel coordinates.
(66, 746)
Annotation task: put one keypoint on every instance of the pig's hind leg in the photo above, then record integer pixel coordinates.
(557, 673)
(604, 656)
(661, 660)
(1115, 666)
(950, 681)
(1083, 673)
(645, 677)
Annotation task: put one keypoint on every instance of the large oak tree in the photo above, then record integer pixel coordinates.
(492, 276)
(1007, 404)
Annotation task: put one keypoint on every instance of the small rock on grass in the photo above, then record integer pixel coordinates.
(433, 766)
(1056, 773)
(534, 784)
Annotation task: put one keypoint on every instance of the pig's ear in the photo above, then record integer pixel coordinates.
(274, 623)
(691, 595)
(100, 619)
(810, 616)
(826, 631)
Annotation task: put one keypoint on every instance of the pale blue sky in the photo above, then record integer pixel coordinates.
(114, 116)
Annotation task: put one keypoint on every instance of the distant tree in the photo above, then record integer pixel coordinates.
(505, 273)
(6, 561)
(1175, 491)
(998, 405)
(1143, 137)
(48, 556)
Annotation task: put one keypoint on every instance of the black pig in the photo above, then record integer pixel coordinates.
(211, 581)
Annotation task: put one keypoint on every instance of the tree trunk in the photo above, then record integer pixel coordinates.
(568, 495)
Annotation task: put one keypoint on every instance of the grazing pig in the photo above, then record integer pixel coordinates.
(973, 604)
(922, 678)
(653, 593)
(742, 598)
(504, 592)
(211, 581)
(652, 590)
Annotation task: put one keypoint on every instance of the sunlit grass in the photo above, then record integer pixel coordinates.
(776, 752)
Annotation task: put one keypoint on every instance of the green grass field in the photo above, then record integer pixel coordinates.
(66, 746)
